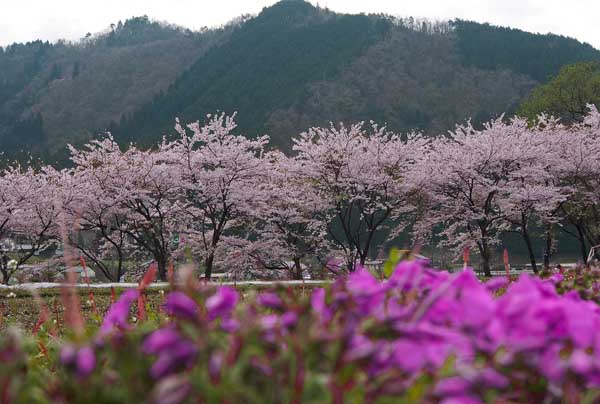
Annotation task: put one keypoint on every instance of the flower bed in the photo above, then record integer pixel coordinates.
(419, 336)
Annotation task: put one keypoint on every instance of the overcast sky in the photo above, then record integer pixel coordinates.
(25, 20)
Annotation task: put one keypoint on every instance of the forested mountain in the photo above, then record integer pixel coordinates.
(51, 94)
(292, 66)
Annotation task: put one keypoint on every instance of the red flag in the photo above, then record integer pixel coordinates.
(466, 253)
(87, 281)
(506, 264)
(147, 279)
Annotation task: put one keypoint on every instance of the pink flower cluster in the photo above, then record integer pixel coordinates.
(468, 337)
(530, 328)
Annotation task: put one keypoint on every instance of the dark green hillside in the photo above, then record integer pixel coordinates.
(535, 55)
(53, 94)
(291, 67)
(267, 64)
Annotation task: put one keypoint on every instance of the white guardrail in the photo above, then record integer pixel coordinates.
(49, 285)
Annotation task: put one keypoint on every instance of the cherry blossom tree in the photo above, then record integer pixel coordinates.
(139, 191)
(220, 173)
(362, 177)
(283, 227)
(9, 202)
(35, 210)
(578, 169)
(236, 205)
(150, 203)
(466, 177)
(532, 196)
(97, 208)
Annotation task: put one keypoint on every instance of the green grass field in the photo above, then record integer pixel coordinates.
(20, 309)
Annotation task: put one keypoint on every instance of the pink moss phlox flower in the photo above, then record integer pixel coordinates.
(161, 339)
(556, 278)
(180, 305)
(173, 351)
(367, 291)
(362, 283)
(465, 303)
(85, 361)
(118, 314)
(452, 386)
(319, 305)
(551, 364)
(461, 399)
(407, 275)
(181, 356)
(289, 319)
(82, 360)
(496, 283)
(270, 300)
(68, 353)
(215, 364)
(492, 378)
(230, 325)
(222, 303)
(269, 322)
(409, 355)
(360, 347)
(581, 362)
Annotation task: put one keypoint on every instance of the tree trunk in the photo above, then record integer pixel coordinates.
(363, 259)
(484, 250)
(582, 245)
(548, 247)
(161, 263)
(208, 266)
(352, 263)
(530, 249)
(297, 269)
(120, 266)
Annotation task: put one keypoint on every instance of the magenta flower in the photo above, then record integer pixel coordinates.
(173, 351)
(317, 301)
(177, 357)
(160, 340)
(289, 319)
(360, 347)
(269, 322)
(68, 353)
(362, 284)
(221, 303)
(461, 399)
(452, 386)
(407, 275)
(118, 314)
(496, 283)
(556, 278)
(180, 305)
(230, 325)
(269, 300)
(85, 361)
(409, 355)
(215, 364)
(582, 362)
(82, 360)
